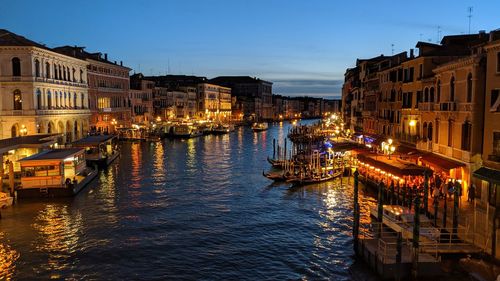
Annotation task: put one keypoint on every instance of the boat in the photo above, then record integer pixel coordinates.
(5, 200)
(259, 126)
(220, 129)
(400, 219)
(100, 150)
(312, 180)
(276, 163)
(186, 130)
(275, 176)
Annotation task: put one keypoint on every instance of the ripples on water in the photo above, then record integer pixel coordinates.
(185, 209)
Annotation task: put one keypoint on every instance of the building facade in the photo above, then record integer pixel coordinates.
(42, 91)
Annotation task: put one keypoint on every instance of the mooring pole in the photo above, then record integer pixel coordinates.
(285, 150)
(380, 207)
(426, 193)
(399, 251)
(455, 207)
(274, 149)
(416, 237)
(355, 230)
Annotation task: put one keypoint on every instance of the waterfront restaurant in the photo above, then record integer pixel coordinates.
(53, 172)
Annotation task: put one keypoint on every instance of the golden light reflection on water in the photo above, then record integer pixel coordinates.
(58, 235)
(8, 258)
(136, 154)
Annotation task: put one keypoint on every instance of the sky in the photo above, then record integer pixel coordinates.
(303, 47)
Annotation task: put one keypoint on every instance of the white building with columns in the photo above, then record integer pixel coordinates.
(41, 91)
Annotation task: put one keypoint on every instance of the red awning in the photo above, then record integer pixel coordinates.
(400, 170)
(439, 162)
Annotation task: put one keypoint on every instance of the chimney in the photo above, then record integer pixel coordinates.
(105, 56)
(411, 53)
(121, 63)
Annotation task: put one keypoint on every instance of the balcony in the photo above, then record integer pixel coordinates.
(494, 158)
(448, 106)
(465, 107)
(426, 106)
(31, 79)
(62, 111)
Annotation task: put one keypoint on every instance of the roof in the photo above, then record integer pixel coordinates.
(394, 167)
(487, 174)
(27, 141)
(440, 162)
(8, 38)
(54, 154)
(238, 80)
(93, 140)
(80, 53)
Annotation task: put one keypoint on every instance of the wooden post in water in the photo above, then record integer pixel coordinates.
(445, 208)
(455, 207)
(399, 254)
(355, 229)
(274, 149)
(426, 193)
(285, 150)
(416, 237)
(380, 207)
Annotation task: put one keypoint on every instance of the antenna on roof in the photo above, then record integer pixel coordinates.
(470, 16)
(392, 49)
(438, 34)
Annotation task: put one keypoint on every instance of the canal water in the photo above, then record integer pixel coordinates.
(187, 209)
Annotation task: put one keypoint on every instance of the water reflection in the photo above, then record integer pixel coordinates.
(8, 258)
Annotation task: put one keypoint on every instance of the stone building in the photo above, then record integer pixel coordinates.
(141, 100)
(214, 102)
(109, 85)
(253, 95)
(42, 91)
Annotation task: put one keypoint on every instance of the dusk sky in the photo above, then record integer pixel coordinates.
(304, 47)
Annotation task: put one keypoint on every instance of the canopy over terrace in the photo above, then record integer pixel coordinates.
(393, 166)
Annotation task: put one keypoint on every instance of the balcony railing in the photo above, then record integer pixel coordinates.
(448, 106)
(62, 111)
(41, 79)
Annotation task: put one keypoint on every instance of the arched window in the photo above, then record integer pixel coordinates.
(47, 70)
(50, 128)
(56, 72)
(466, 135)
(37, 68)
(16, 67)
(81, 76)
(437, 131)
(38, 99)
(82, 97)
(56, 99)
(438, 98)
(73, 74)
(74, 100)
(18, 100)
(431, 98)
(64, 103)
(469, 87)
(424, 131)
(60, 72)
(452, 89)
(49, 100)
(429, 132)
(13, 131)
(450, 133)
(64, 74)
(426, 95)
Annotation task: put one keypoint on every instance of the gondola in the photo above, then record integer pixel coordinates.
(274, 176)
(275, 163)
(306, 181)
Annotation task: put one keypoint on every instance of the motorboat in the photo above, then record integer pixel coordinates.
(186, 130)
(220, 129)
(260, 126)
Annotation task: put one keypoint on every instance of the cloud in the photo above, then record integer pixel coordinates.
(308, 87)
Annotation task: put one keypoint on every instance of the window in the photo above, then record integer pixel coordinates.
(18, 100)
(426, 95)
(450, 133)
(495, 100)
(429, 132)
(431, 98)
(39, 99)
(452, 89)
(438, 98)
(469, 88)
(466, 135)
(37, 68)
(56, 72)
(420, 71)
(16, 67)
(437, 131)
(47, 70)
(498, 62)
(49, 101)
(496, 143)
(82, 97)
(74, 100)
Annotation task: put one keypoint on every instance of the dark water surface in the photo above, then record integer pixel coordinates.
(185, 209)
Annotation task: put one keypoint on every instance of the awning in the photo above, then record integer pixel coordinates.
(487, 174)
(439, 162)
(400, 170)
